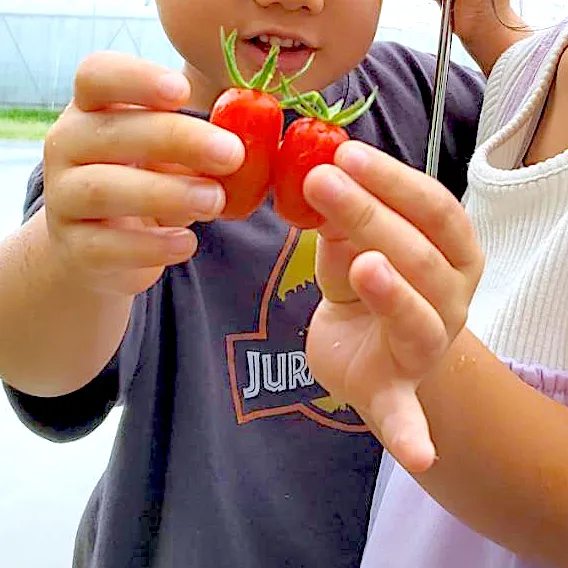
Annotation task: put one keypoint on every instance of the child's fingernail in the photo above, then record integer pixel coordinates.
(352, 158)
(206, 198)
(173, 86)
(179, 241)
(329, 192)
(416, 454)
(336, 185)
(225, 147)
(381, 278)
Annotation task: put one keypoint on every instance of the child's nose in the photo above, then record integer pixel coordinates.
(312, 6)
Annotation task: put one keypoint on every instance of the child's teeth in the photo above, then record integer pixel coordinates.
(273, 40)
(287, 43)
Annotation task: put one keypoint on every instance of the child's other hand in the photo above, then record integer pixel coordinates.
(398, 264)
(125, 176)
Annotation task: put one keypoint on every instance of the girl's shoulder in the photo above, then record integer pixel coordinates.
(551, 136)
(525, 69)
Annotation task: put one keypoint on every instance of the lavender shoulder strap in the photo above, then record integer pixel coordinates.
(528, 77)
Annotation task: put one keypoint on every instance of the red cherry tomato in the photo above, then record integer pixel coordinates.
(257, 119)
(308, 142)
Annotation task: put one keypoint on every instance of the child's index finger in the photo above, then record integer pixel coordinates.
(106, 79)
(420, 199)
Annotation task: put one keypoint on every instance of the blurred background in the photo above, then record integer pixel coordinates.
(44, 486)
(43, 41)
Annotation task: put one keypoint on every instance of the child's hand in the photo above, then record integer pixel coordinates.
(397, 264)
(124, 174)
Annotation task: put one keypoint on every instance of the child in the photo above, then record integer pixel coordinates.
(228, 453)
(497, 494)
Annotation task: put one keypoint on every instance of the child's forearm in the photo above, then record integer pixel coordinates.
(487, 36)
(55, 335)
(502, 467)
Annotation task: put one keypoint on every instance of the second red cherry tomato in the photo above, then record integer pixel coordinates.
(308, 142)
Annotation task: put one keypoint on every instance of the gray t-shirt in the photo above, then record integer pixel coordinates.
(229, 455)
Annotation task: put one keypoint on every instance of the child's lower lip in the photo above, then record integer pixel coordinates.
(289, 62)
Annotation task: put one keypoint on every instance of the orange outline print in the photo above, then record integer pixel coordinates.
(262, 335)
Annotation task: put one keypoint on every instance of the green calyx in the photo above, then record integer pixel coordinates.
(313, 105)
(262, 79)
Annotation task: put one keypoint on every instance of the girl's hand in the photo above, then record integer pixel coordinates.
(397, 264)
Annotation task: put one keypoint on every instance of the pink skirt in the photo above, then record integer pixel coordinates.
(408, 529)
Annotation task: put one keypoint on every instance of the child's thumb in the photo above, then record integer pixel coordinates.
(403, 427)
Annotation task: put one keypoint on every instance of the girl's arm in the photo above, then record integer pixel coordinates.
(503, 447)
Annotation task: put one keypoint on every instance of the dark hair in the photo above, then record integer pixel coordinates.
(515, 28)
(520, 28)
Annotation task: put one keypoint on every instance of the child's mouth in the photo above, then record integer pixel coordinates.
(294, 54)
(265, 42)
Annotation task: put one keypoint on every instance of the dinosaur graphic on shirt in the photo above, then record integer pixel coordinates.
(268, 369)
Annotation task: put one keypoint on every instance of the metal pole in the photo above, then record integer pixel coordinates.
(440, 86)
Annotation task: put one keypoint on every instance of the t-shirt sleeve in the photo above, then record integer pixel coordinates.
(72, 416)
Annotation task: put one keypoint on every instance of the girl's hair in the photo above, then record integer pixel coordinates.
(515, 28)
(521, 28)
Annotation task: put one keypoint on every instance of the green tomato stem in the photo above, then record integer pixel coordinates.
(228, 45)
(313, 105)
(262, 78)
(287, 81)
